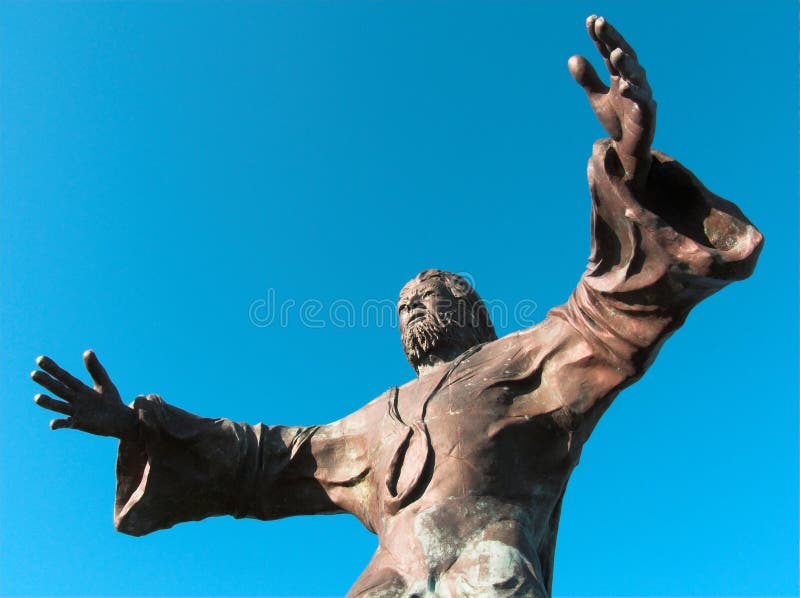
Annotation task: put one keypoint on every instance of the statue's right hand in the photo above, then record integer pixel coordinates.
(97, 410)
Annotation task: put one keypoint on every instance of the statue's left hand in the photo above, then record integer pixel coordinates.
(626, 108)
(97, 410)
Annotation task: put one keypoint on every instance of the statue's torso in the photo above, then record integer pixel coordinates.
(468, 479)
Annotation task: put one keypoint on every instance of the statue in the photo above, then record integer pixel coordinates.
(460, 472)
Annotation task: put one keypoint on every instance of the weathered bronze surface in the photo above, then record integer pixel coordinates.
(461, 471)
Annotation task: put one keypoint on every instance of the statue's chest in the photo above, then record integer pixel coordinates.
(457, 404)
(484, 420)
(463, 424)
(486, 387)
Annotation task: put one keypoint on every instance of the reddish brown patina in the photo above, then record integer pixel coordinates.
(461, 471)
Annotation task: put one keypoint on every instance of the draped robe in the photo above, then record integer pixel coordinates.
(461, 472)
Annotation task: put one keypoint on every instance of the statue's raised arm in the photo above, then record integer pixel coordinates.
(661, 242)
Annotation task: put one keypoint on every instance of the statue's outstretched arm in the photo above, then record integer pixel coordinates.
(661, 243)
(183, 468)
(173, 466)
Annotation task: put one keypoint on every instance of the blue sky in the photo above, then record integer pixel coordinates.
(166, 165)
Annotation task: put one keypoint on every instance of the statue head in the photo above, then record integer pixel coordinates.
(441, 316)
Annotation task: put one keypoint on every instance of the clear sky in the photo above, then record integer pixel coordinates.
(168, 165)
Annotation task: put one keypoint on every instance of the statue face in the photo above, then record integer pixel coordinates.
(420, 300)
(427, 314)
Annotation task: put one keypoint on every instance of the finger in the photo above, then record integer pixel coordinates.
(585, 75)
(591, 25)
(54, 386)
(57, 424)
(96, 370)
(52, 368)
(627, 66)
(611, 38)
(52, 404)
(641, 95)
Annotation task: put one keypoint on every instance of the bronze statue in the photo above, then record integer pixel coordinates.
(461, 471)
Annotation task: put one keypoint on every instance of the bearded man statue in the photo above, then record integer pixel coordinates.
(461, 471)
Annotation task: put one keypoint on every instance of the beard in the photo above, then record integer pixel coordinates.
(423, 336)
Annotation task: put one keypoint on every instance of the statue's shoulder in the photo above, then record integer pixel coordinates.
(529, 348)
(543, 334)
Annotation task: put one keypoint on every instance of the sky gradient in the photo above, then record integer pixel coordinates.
(168, 167)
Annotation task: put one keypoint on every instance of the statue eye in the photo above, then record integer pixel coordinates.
(428, 293)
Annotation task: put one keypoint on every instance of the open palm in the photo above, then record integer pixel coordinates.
(625, 108)
(97, 410)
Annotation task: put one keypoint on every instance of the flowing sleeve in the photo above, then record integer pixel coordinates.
(185, 468)
(656, 253)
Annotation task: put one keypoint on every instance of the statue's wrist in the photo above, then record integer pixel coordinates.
(129, 428)
(636, 168)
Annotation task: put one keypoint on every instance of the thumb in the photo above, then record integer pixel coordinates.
(585, 76)
(97, 371)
